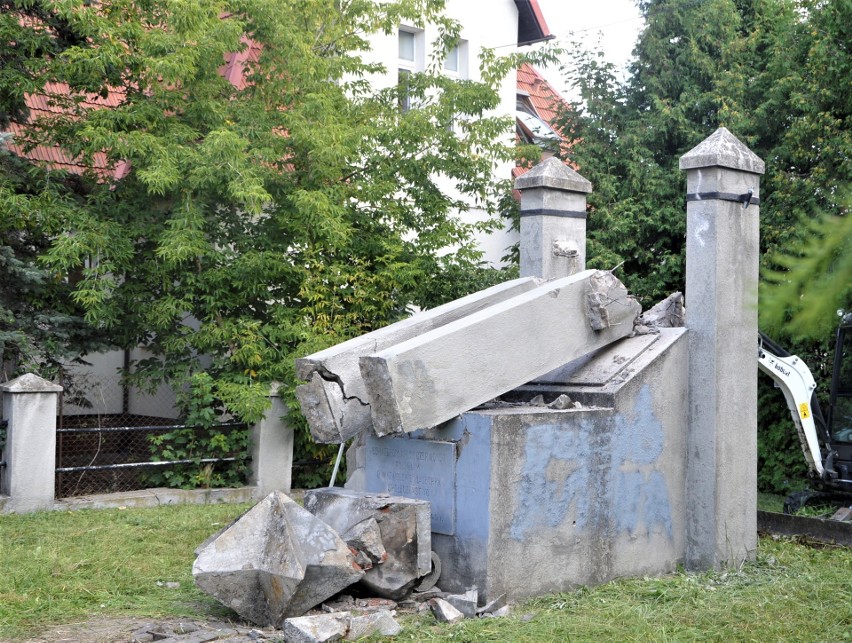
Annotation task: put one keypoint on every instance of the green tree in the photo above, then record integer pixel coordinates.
(268, 218)
(773, 72)
(630, 135)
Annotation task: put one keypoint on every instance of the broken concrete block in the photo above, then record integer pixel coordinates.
(494, 606)
(366, 539)
(444, 612)
(334, 400)
(561, 403)
(438, 375)
(316, 629)
(404, 527)
(669, 313)
(382, 622)
(503, 611)
(465, 603)
(276, 561)
(607, 300)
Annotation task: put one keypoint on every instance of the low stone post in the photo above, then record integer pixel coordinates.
(272, 448)
(722, 234)
(29, 407)
(553, 220)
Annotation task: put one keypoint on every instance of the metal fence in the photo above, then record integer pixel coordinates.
(106, 454)
(112, 436)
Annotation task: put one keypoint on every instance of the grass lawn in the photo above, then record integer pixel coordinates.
(67, 567)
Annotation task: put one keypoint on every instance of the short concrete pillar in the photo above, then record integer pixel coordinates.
(553, 220)
(722, 234)
(29, 407)
(272, 448)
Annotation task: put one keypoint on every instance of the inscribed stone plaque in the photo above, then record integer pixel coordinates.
(420, 469)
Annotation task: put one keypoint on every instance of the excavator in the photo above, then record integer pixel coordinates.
(826, 440)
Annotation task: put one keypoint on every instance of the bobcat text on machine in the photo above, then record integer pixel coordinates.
(826, 442)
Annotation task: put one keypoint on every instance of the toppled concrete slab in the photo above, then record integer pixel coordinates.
(494, 606)
(334, 400)
(431, 378)
(277, 561)
(321, 628)
(394, 533)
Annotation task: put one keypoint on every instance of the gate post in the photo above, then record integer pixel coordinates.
(722, 234)
(29, 407)
(272, 448)
(553, 220)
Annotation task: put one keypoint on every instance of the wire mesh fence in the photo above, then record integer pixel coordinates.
(111, 438)
(108, 458)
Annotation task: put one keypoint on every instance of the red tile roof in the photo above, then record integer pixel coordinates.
(545, 101)
(54, 101)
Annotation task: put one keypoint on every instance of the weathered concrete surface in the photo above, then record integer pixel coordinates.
(548, 500)
(444, 612)
(277, 561)
(669, 313)
(553, 220)
(321, 628)
(465, 603)
(403, 553)
(435, 376)
(272, 448)
(28, 479)
(722, 246)
(335, 401)
(381, 622)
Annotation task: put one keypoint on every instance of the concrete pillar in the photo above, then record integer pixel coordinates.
(29, 407)
(553, 220)
(722, 233)
(272, 448)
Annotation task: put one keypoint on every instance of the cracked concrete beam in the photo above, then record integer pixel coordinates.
(335, 401)
(438, 375)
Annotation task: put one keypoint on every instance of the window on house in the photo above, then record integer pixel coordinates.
(410, 60)
(407, 46)
(451, 62)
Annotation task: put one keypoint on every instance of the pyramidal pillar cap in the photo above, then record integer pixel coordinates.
(553, 173)
(722, 149)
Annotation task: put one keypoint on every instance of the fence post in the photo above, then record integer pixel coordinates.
(272, 448)
(29, 407)
(553, 220)
(722, 234)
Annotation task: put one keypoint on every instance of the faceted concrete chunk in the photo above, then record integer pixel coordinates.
(316, 629)
(277, 560)
(382, 622)
(494, 606)
(465, 603)
(366, 538)
(444, 612)
(440, 374)
(335, 401)
(669, 313)
(404, 525)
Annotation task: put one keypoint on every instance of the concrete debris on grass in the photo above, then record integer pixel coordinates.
(320, 628)
(393, 533)
(465, 603)
(444, 612)
(316, 629)
(278, 560)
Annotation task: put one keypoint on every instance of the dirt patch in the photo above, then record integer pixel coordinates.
(125, 630)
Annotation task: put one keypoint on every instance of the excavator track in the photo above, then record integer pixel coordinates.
(822, 530)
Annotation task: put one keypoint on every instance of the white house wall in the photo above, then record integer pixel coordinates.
(484, 24)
